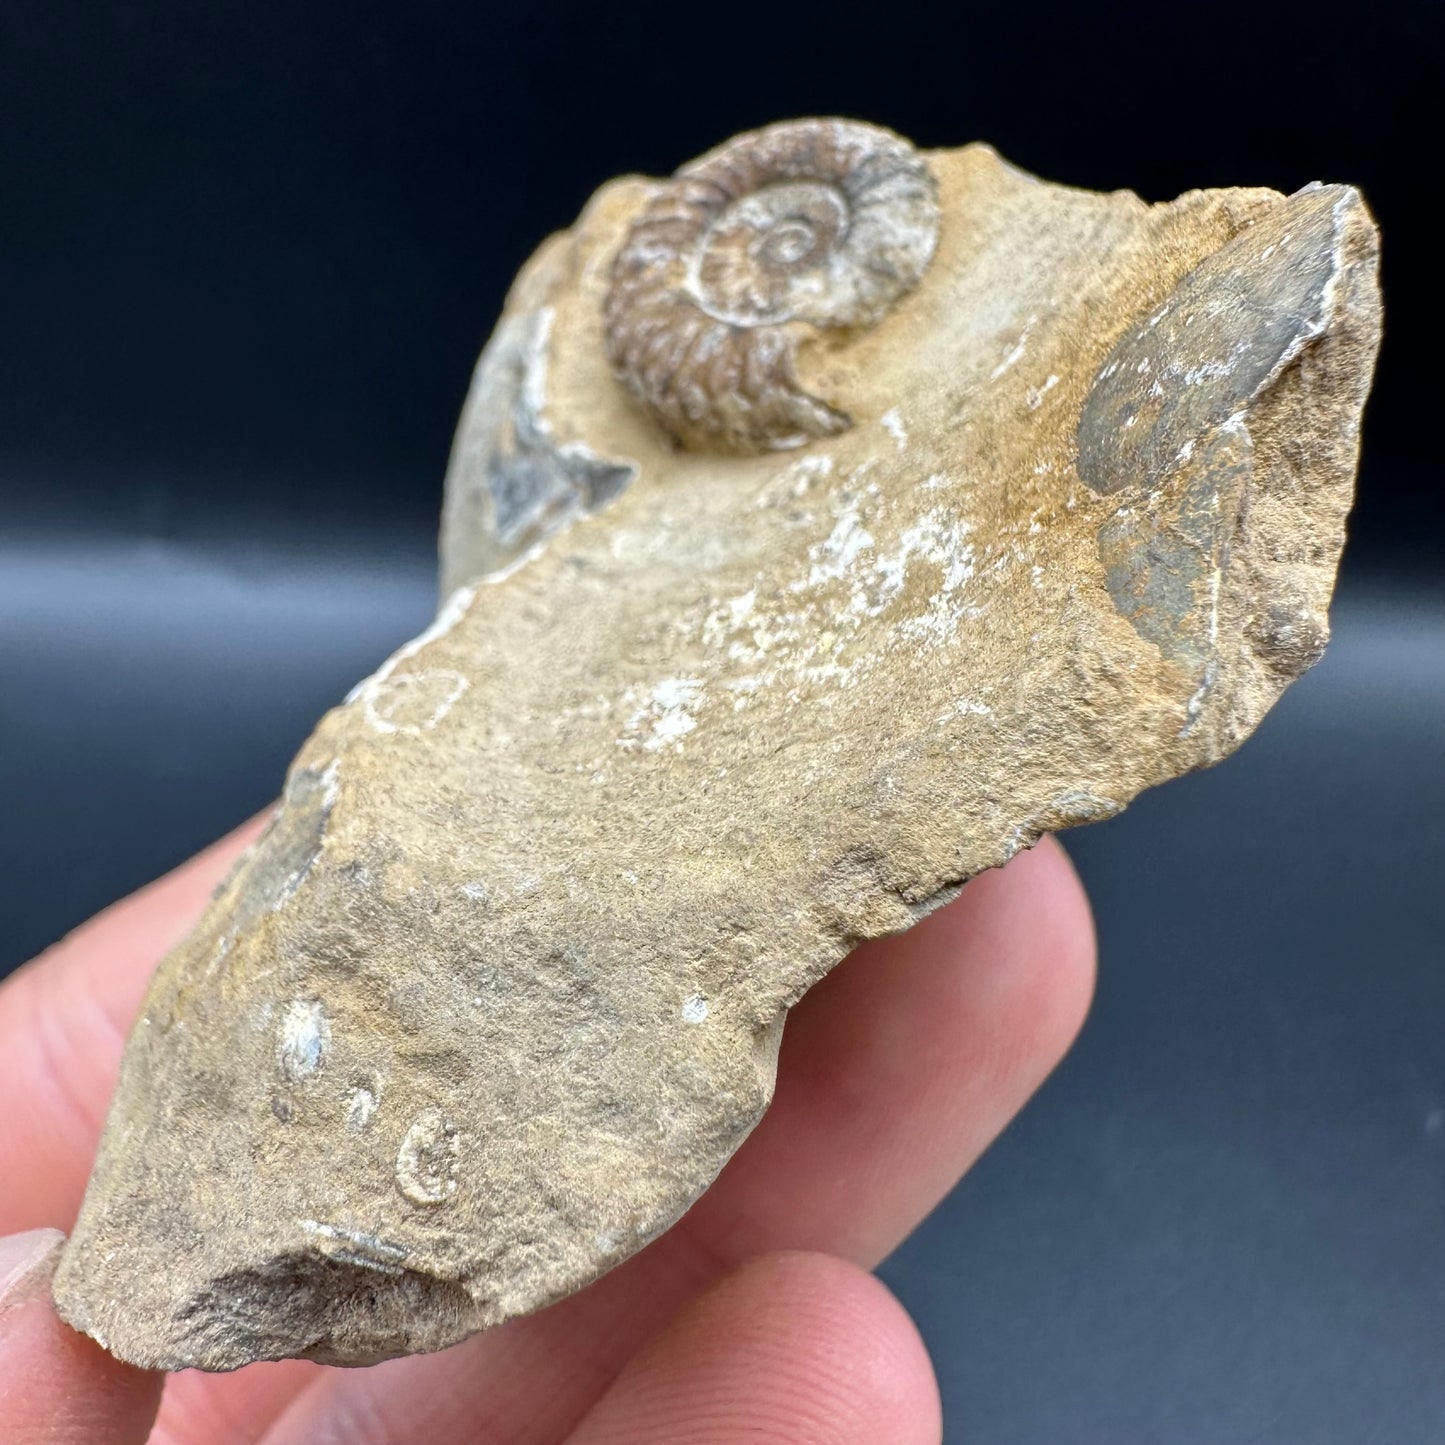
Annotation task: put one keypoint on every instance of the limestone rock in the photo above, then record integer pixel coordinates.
(501, 988)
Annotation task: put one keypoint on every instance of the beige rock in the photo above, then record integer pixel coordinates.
(502, 987)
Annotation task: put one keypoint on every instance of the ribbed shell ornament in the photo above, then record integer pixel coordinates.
(819, 224)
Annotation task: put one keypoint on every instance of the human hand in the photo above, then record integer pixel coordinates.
(753, 1319)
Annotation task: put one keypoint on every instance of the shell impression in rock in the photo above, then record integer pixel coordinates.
(812, 224)
(501, 988)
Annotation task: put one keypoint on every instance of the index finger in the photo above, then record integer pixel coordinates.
(63, 1021)
(56, 1385)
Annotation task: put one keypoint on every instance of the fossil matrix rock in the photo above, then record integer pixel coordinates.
(1060, 497)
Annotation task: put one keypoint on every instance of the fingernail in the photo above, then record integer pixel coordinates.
(26, 1263)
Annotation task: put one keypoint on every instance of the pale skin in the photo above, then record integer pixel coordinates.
(753, 1320)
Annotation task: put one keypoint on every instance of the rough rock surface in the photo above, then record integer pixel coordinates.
(502, 987)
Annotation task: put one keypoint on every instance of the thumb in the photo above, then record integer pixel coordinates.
(56, 1386)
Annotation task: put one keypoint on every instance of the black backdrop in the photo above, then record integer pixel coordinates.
(247, 255)
(262, 241)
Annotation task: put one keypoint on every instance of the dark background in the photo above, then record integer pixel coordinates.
(248, 253)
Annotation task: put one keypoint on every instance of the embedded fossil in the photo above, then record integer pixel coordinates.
(813, 223)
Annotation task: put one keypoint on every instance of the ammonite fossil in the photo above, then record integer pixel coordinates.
(812, 223)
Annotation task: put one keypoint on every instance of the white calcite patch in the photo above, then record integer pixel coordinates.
(452, 612)
(892, 423)
(1014, 354)
(413, 702)
(665, 716)
(1034, 396)
(361, 1103)
(840, 550)
(302, 1039)
(354, 1246)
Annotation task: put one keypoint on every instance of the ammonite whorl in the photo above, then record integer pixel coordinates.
(822, 223)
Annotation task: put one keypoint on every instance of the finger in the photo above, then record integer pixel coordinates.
(905, 1063)
(896, 1072)
(201, 1409)
(793, 1349)
(63, 1021)
(56, 1386)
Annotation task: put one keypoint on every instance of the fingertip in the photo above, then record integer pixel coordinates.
(1035, 917)
(57, 1385)
(792, 1347)
(1000, 983)
(859, 1341)
(906, 1062)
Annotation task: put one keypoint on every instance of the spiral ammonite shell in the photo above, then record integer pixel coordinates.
(821, 223)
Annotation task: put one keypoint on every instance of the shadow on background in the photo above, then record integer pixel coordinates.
(251, 252)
